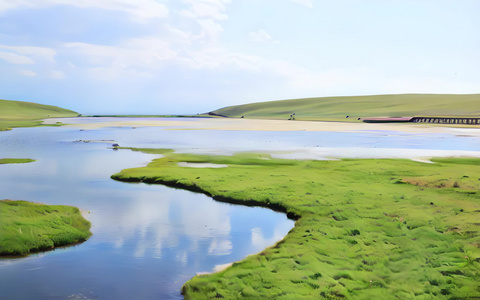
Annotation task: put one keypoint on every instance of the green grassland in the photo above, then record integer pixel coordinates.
(337, 108)
(27, 114)
(27, 227)
(365, 228)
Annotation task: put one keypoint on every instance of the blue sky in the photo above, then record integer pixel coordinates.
(190, 56)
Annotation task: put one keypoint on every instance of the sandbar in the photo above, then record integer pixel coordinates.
(263, 125)
(315, 153)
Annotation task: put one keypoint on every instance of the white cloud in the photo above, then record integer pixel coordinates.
(43, 58)
(16, 59)
(133, 56)
(40, 52)
(210, 30)
(207, 9)
(140, 10)
(218, 58)
(307, 3)
(57, 74)
(194, 43)
(27, 73)
(260, 36)
(145, 58)
(206, 14)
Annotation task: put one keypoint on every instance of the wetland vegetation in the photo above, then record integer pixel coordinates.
(365, 228)
(27, 227)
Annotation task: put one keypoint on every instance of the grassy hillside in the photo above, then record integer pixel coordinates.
(25, 114)
(337, 108)
(366, 228)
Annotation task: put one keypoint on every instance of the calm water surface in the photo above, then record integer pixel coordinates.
(149, 239)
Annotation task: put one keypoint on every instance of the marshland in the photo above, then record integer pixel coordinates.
(199, 149)
(199, 208)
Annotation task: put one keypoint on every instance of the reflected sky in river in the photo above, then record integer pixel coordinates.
(321, 144)
(149, 239)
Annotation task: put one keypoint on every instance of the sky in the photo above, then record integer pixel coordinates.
(194, 56)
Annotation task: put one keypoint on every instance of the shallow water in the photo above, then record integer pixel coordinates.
(149, 239)
(455, 141)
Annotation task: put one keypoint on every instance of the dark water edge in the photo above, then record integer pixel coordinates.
(193, 188)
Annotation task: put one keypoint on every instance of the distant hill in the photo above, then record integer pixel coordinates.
(23, 114)
(337, 108)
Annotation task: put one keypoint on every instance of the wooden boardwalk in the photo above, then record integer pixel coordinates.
(447, 120)
(431, 120)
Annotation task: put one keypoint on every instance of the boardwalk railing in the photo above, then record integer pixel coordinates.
(445, 120)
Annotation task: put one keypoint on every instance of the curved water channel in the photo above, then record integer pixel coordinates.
(149, 239)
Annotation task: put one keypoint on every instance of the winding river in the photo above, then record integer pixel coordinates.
(149, 239)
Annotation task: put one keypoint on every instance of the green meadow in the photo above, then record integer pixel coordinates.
(28, 114)
(337, 108)
(27, 227)
(365, 228)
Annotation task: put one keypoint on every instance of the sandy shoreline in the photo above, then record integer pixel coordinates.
(262, 125)
(316, 153)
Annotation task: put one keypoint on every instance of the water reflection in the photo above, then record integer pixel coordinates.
(260, 240)
(159, 220)
(445, 139)
(148, 239)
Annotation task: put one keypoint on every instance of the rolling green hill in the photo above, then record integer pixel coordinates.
(337, 108)
(26, 114)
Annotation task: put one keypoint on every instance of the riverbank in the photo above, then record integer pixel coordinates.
(27, 227)
(365, 229)
(265, 125)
